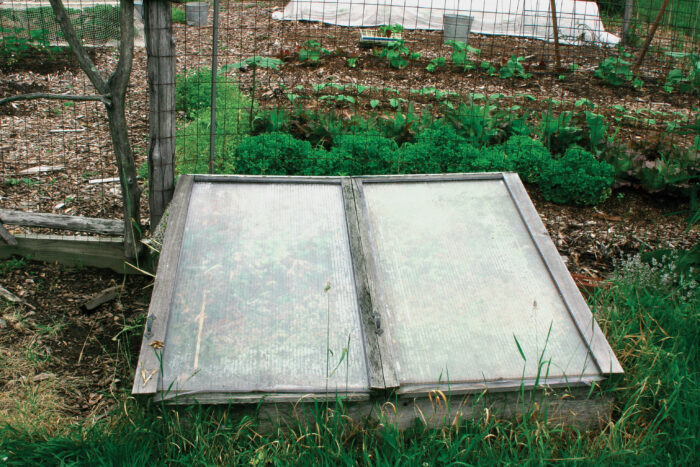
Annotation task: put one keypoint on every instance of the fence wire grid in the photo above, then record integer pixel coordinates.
(296, 81)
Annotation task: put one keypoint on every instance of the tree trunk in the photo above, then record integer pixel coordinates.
(131, 191)
(113, 91)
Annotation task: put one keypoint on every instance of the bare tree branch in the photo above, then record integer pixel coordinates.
(119, 79)
(87, 65)
(64, 97)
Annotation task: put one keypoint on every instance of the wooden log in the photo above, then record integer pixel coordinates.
(94, 225)
(161, 86)
(107, 253)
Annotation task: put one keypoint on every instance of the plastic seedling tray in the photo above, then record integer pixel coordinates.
(373, 38)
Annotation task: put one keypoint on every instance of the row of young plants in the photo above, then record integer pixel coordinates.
(614, 70)
(483, 125)
(25, 32)
(576, 177)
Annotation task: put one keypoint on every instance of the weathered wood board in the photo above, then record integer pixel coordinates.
(105, 253)
(571, 407)
(94, 225)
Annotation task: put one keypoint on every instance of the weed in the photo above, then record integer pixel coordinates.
(178, 15)
(648, 310)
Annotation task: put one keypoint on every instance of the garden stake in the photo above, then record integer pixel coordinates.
(557, 58)
(635, 68)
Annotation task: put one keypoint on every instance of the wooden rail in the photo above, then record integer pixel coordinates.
(108, 227)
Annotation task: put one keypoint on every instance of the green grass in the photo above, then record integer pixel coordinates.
(178, 15)
(650, 313)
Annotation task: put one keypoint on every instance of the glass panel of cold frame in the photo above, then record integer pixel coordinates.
(464, 286)
(265, 297)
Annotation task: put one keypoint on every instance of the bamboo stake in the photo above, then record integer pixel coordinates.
(557, 57)
(650, 37)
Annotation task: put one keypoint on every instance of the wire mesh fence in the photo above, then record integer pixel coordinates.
(352, 87)
(373, 87)
(56, 156)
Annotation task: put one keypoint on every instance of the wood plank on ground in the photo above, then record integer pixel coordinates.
(107, 253)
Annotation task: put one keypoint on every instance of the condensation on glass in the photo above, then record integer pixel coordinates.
(467, 294)
(264, 298)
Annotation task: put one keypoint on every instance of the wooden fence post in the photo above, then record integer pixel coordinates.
(161, 90)
(629, 6)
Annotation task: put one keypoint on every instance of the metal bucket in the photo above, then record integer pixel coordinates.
(456, 28)
(197, 13)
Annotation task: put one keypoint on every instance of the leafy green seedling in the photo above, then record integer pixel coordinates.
(513, 68)
(312, 51)
(398, 54)
(435, 64)
(390, 30)
(460, 54)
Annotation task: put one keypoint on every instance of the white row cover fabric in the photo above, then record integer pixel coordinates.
(578, 22)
